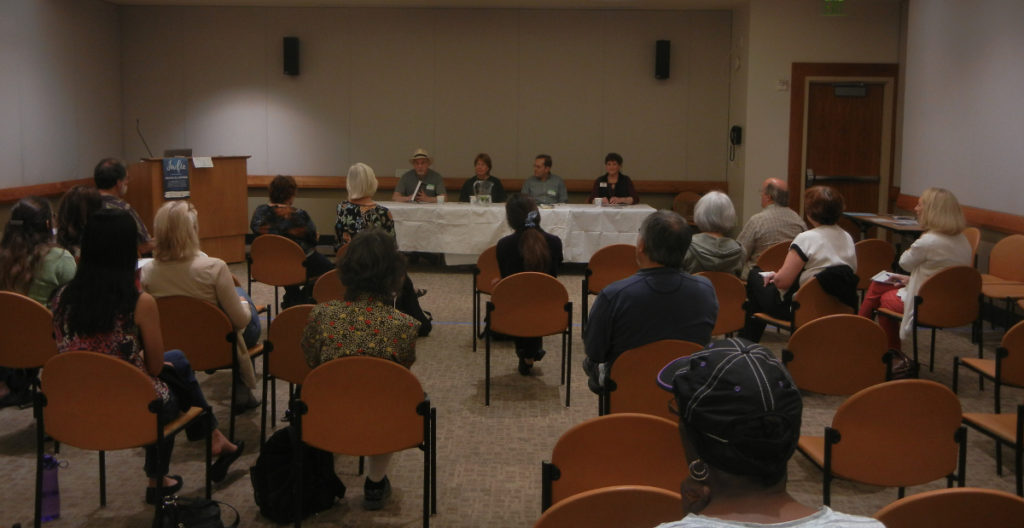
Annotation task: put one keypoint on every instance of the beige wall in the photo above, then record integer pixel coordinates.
(60, 91)
(783, 32)
(377, 83)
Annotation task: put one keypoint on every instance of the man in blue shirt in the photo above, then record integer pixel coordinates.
(544, 187)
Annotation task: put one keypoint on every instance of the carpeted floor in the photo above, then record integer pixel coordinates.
(488, 457)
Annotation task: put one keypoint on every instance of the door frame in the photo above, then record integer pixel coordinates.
(803, 73)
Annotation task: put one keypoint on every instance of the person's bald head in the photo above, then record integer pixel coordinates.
(774, 191)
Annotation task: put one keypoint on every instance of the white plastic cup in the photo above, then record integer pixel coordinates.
(440, 199)
(473, 199)
(597, 202)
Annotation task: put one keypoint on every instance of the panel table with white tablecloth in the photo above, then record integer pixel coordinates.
(469, 229)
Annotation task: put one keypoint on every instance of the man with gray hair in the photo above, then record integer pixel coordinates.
(660, 301)
(775, 223)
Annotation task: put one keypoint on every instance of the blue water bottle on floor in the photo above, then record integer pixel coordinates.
(51, 489)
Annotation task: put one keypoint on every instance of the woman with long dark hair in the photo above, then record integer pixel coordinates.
(528, 248)
(30, 264)
(75, 207)
(102, 310)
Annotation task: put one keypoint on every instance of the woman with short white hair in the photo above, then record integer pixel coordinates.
(711, 249)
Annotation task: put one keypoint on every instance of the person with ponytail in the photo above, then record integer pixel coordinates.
(528, 248)
(30, 264)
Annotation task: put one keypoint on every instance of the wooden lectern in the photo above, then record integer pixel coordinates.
(219, 193)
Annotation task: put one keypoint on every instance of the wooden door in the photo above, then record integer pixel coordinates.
(844, 142)
(841, 133)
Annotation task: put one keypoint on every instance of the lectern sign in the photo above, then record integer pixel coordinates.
(175, 178)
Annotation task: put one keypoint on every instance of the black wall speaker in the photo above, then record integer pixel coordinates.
(291, 55)
(662, 53)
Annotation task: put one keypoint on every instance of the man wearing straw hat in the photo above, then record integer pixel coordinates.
(419, 184)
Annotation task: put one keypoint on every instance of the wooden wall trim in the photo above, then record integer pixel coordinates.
(981, 218)
(453, 185)
(13, 194)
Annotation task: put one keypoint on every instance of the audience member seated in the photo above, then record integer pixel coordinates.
(824, 249)
(739, 421)
(360, 212)
(528, 248)
(775, 223)
(544, 187)
(421, 184)
(372, 271)
(180, 268)
(711, 249)
(111, 180)
(941, 245)
(660, 301)
(613, 187)
(101, 310)
(77, 204)
(280, 217)
(482, 169)
(30, 264)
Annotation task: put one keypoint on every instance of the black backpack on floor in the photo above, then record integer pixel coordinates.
(273, 478)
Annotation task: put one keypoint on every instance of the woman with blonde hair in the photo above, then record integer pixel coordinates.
(180, 268)
(360, 212)
(942, 245)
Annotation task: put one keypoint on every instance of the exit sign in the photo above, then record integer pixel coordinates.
(832, 8)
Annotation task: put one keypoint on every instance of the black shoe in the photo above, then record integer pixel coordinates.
(426, 326)
(420, 292)
(219, 469)
(242, 408)
(151, 497)
(524, 367)
(375, 493)
(539, 354)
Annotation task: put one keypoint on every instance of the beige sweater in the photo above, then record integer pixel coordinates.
(207, 279)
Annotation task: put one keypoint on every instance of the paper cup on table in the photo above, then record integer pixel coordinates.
(473, 199)
(440, 199)
(597, 202)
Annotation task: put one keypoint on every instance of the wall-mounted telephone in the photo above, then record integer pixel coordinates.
(735, 138)
(736, 135)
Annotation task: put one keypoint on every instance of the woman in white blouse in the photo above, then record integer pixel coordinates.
(942, 245)
(824, 246)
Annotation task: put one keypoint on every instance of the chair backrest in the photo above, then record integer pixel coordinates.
(199, 329)
(615, 507)
(897, 433)
(329, 287)
(26, 332)
(684, 204)
(487, 264)
(1011, 367)
(277, 261)
(950, 297)
(955, 508)
(973, 235)
(287, 361)
(99, 402)
(609, 264)
(1005, 258)
(837, 354)
(773, 257)
(361, 405)
(813, 303)
(634, 373)
(618, 449)
(731, 295)
(873, 255)
(529, 304)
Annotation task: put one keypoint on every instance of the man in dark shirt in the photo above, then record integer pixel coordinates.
(111, 180)
(660, 301)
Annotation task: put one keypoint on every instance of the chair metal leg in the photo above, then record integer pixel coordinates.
(209, 451)
(103, 476)
(476, 313)
(487, 366)
(433, 460)
(362, 463)
(931, 358)
(40, 440)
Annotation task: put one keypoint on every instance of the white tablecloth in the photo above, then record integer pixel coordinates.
(462, 228)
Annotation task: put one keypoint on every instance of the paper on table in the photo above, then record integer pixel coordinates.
(202, 162)
(416, 191)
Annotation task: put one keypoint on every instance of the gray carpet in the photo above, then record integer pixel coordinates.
(488, 457)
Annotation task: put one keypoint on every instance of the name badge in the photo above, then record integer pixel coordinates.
(551, 192)
(430, 186)
(602, 184)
